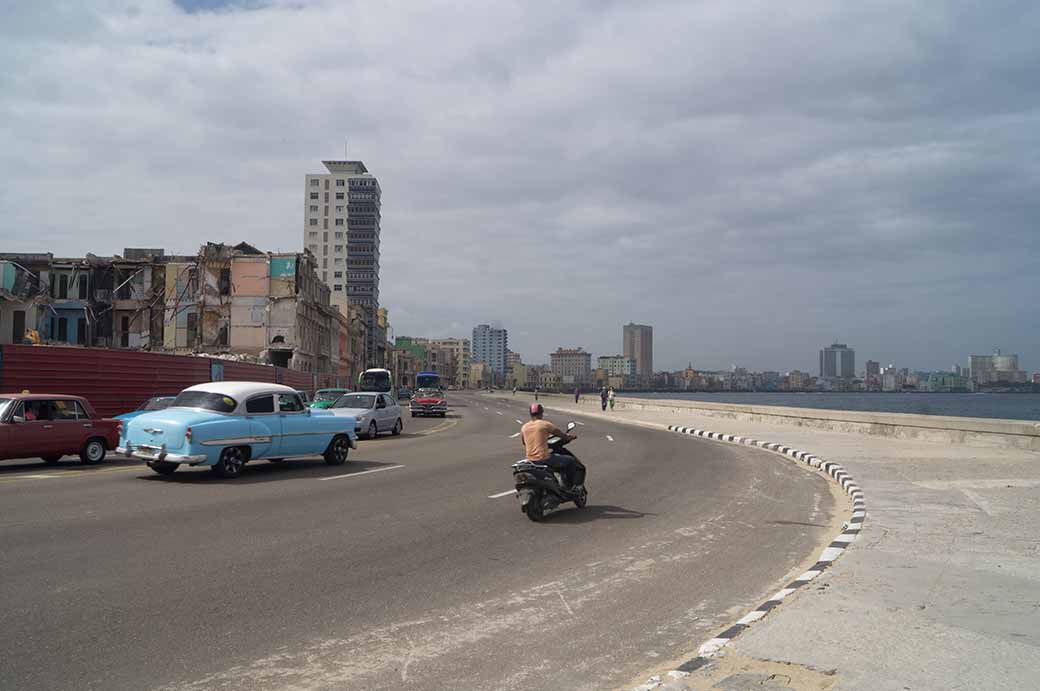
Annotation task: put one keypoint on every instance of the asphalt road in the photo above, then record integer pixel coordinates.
(398, 570)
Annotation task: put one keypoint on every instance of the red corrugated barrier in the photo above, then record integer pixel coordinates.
(117, 381)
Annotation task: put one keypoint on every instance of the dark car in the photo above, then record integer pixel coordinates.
(54, 425)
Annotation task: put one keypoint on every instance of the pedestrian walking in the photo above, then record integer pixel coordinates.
(536, 393)
(577, 395)
(603, 395)
(610, 397)
(514, 390)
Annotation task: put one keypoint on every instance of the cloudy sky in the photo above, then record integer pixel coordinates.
(754, 179)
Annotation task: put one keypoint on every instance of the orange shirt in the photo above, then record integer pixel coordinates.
(536, 435)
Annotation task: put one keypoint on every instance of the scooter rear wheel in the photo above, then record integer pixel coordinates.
(582, 499)
(533, 507)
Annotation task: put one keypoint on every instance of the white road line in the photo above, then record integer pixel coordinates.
(580, 423)
(610, 438)
(499, 412)
(514, 436)
(519, 422)
(486, 408)
(36, 477)
(501, 494)
(363, 472)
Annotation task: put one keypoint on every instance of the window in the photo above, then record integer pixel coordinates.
(324, 223)
(326, 210)
(81, 331)
(326, 197)
(313, 235)
(325, 275)
(339, 221)
(315, 183)
(206, 400)
(192, 330)
(124, 329)
(63, 287)
(314, 208)
(339, 248)
(339, 235)
(339, 209)
(63, 329)
(326, 184)
(340, 183)
(82, 285)
(63, 409)
(314, 221)
(314, 195)
(289, 403)
(339, 195)
(225, 281)
(338, 288)
(325, 237)
(260, 405)
(337, 274)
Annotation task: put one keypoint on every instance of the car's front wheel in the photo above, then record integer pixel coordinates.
(232, 461)
(398, 426)
(372, 430)
(336, 453)
(93, 451)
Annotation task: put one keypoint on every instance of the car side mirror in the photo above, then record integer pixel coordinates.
(18, 419)
(571, 425)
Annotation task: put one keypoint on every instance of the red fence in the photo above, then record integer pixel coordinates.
(117, 381)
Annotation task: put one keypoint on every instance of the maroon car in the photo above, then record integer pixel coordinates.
(54, 425)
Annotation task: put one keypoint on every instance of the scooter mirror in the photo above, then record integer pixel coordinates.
(571, 425)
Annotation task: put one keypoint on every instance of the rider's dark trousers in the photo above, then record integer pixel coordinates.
(570, 467)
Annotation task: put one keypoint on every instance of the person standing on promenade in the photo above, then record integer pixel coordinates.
(577, 395)
(536, 393)
(603, 398)
(610, 397)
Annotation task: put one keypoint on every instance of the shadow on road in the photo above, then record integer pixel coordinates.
(265, 471)
(67, 463)
(592, 513)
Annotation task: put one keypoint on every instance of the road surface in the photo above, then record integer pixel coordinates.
(409, 567)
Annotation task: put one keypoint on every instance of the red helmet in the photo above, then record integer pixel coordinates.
(536, 409)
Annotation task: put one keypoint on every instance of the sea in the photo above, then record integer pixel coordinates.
(1004, 406)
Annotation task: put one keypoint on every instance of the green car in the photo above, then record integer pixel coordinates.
(324, 398)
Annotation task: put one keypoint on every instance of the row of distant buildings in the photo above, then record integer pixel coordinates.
(235, 301)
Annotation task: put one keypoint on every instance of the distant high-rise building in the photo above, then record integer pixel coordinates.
(838, 361)
(873, 368)
(638, 343)
(341, 229)
(490, 346)
(998, 367)
(571, 365)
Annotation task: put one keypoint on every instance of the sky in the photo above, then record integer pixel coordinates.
(753, 179)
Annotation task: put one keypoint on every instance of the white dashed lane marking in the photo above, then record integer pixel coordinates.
(519, 422)
(501, 494)
(363, 472)
(499, 412)
(610, 438)
(514, 436)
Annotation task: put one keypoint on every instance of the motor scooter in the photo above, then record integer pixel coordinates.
(540, 488)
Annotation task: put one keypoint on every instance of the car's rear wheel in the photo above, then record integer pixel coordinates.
(336, 453)
(163, 467)
(51, 459)
(232, 461)
(93, 451)
(398, 427)
(372, 430)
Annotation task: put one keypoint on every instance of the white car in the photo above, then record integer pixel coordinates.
(375, 412)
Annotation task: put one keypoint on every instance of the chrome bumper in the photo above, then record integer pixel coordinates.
(159, 453)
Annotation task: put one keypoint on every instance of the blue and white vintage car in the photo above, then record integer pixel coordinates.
(226, 424)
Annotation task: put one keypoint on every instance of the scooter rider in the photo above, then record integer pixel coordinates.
(535, 436)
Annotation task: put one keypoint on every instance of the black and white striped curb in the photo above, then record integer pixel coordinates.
(850, 530)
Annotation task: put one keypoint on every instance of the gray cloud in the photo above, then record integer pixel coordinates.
(752, 178)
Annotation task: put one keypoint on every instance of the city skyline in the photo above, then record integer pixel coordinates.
(746, 199)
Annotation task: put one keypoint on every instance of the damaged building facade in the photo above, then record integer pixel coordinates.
(236, 301)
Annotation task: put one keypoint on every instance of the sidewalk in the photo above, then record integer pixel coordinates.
(940, 591)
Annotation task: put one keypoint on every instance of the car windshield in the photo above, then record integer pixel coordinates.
(428, 381)
(356, 400)
(329, 395)
(375, 380)
(157, 403)
(5, 405)
(207, 400)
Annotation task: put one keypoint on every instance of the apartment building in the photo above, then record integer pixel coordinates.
(638, 344)
(571, 365)
(490, 346)
(341, 228)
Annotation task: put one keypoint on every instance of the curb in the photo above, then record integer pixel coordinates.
(835, 549)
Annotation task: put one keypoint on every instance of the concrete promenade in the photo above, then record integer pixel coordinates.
(940, 591)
